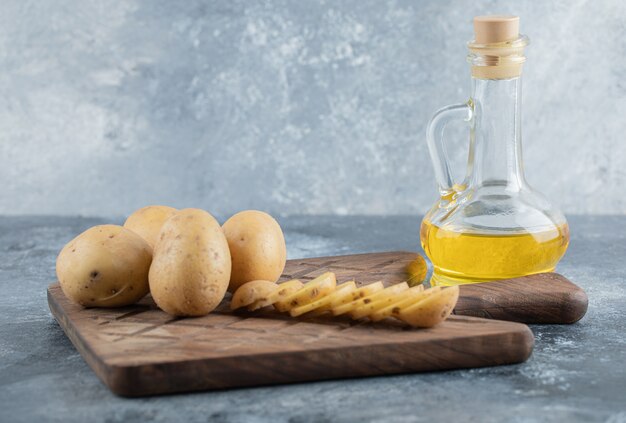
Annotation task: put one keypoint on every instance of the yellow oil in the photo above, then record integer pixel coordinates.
(465, 257)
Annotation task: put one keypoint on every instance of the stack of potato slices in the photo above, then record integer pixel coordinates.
(414, 305)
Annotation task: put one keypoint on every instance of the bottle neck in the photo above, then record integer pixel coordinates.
(495, 148)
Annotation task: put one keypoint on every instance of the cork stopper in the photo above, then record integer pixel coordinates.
(497, 50)
(495, 29)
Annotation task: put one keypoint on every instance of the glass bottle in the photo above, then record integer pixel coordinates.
(492, 225)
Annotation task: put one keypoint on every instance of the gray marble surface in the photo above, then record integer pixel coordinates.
(576, 373)
(291, 106)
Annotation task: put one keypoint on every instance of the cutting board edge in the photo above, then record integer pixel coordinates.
(100, 368)
(131, 380)
(126, 381)
(566, 305)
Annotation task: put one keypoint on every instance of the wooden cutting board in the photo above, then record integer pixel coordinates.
(541, 298)
(140, 350)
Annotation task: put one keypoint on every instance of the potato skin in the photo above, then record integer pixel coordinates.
(105, 266)
(147, 222)
(432, 310)
(251, 292)
(257, 247)
(191, 265)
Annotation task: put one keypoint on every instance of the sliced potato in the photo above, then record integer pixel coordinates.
(311, 291)
(263, 302)
(413, 305)
(367, 310)
(252, 292)
(334, 297)
(361, 292)
(386, 292)
(284, 290)
(409, 297)
(340, 290)
(416, 271)
(374, 302)
(390, 290)
(431, 310)
(337, 297)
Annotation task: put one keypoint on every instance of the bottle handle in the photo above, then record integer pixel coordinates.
(436, 146)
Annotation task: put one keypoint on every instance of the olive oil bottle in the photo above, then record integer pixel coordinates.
(492, 225)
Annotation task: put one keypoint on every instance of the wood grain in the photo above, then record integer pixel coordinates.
(140, 350)
(542, 298)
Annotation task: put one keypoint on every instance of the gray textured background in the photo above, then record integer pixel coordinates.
(288, 106)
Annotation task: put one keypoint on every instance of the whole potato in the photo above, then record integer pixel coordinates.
(147, 222)
(257, 247)
(105, 266)
(191, 266)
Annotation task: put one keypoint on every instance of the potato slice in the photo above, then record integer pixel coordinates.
(379, 300)
(251, 292)
(311, 291)
(341, 290)
(361, 292)
(366, 310)
(335, 297)
(416, 271)
(410, 297)
(432, 310)
(346, 304)
(259, 304)
(284, 289)
(390, 290)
